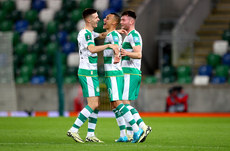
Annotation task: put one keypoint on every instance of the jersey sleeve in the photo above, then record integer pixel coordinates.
(134, 40)
(89, 39)
(115, 38)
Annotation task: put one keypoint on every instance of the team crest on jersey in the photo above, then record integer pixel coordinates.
(136, 39)
(115, 38)
(88, 37)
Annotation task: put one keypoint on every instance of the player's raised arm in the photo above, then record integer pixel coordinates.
(122, 31)
(103, 34)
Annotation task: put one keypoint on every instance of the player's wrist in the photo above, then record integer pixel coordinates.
(127, 53)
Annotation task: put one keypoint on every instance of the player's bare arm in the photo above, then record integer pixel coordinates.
(115, 48)
(117, 57)
(96, 49)
(136, 54)
(122, 31)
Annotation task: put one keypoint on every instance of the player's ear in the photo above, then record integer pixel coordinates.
(88, 19)
(132, 21)
(114, 23)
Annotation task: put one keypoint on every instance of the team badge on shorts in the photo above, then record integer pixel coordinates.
(97, 89)
(110, 92)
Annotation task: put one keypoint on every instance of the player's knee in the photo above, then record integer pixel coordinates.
(93, 102)
(97, 104)
(126, 102)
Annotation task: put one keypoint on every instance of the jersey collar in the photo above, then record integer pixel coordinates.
(131, 32)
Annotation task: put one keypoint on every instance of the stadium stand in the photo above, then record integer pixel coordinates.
(184, 74)
(43, 27)
(226, 59)
(213, 60)
(214, 44)
(150, 80)
(168, 74)
(220, 47)
(226, 36)
(205, 70)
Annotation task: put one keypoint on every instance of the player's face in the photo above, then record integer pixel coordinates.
(125, 22)
(94, 20)
(108, 21)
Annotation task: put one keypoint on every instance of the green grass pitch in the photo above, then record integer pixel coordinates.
(169, 134)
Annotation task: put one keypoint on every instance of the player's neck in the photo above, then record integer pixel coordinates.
(111, 29)
(130, 29)
(89, 27)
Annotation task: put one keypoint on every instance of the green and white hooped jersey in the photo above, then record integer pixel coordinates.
(130, 65)
(88, 60)
(112, 69)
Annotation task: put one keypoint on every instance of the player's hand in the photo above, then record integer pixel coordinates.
(123, 52)
(115, 48)
(122, 31)
(117, 59)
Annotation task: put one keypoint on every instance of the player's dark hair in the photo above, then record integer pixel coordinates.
(129, 13)
(87, 12)
(117, 17)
